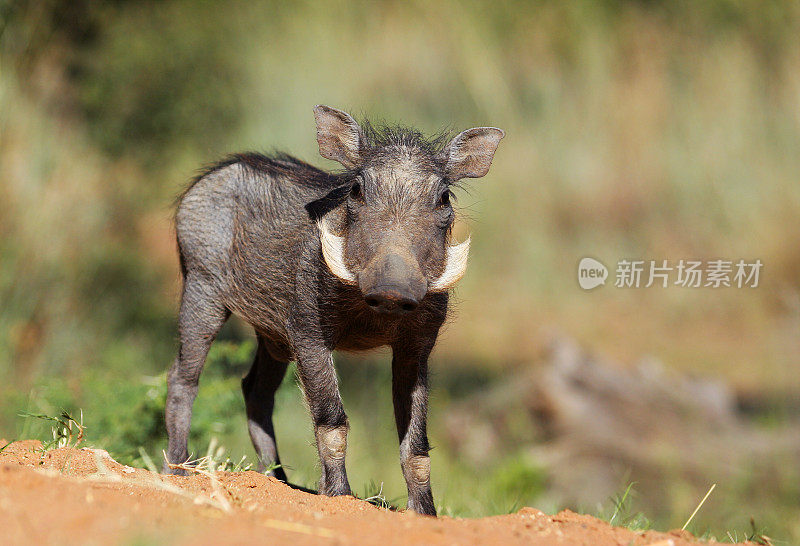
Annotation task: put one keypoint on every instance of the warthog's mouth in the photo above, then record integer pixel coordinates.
(333, 252)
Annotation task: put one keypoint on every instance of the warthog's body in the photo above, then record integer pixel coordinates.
(256, 238)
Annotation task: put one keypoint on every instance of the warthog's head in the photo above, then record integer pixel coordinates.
(391, 237)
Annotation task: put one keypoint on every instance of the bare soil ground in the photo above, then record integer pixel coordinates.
(70, 496)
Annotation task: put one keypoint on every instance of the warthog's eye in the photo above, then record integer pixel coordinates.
(355, 191)
(444, 199)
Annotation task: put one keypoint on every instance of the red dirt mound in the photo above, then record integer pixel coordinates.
(68, 495)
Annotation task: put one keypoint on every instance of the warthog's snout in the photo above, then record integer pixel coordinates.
(394, 284)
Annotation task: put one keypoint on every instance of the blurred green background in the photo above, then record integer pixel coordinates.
(638, 130)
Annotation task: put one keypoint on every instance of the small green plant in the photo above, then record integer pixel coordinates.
(619, 502)
(623, 515)
(272, 467)
(374, 495)
(66, 431)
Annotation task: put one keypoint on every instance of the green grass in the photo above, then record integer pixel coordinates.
(65, 430)
(621, 512)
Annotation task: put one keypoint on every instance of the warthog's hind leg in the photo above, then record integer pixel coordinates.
(201, 317)
(259, 388)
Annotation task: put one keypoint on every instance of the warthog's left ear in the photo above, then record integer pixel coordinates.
(469, 155)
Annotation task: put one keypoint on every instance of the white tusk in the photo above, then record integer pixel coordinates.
(454, 269)
(333, 252)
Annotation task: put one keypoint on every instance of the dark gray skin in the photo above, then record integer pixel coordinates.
(250, 243)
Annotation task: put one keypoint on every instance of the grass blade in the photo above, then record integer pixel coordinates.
(688, 521)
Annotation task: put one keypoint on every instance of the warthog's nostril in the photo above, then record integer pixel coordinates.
(390, 301)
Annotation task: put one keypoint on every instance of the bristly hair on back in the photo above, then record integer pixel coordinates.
(275, 164)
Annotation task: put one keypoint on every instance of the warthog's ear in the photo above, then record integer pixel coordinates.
(338, 135)
(469, 155)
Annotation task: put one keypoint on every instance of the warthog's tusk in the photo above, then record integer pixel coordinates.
(333, 252)
(454, 269)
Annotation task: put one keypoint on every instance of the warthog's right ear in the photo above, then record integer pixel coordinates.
(338, 135)
(470, 154)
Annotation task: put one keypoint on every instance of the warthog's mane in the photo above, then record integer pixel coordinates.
(381, 136)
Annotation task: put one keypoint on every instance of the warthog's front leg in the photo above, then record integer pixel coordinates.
(321, 388)
(410, 395)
